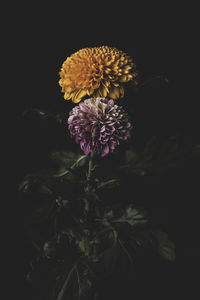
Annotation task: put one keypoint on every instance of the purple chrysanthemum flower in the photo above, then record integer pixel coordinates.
(99, 125)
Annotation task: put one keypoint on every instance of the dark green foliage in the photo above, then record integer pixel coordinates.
(83, 236)
(93, 224)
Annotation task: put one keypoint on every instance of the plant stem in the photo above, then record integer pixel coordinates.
(91, 166)
(89, 186)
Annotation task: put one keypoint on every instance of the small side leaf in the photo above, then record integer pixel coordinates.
(109, 184)
(65, 162)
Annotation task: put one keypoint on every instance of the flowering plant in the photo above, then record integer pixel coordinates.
(91, 226)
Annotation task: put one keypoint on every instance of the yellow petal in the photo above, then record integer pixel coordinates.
(126, 69)
(97, 94)
(123, 78)
(66, 81)
(107, 83)
(129, 76)
(111, 77)
(114, 93)
(96, 85)
(68, 89)
(67, 96)
(90, 91)
(103, 91)
(107, 70)
(121, 90)
(78, 96)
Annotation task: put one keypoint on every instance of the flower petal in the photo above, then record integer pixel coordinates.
(97, 94)
(87, 149)
(90, 91)
(105, 150)
(103, 91)
(67, 96)
(114, 93)
(79, 95)
(123, 78)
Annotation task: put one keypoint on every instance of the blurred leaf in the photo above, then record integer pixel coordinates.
(133, 216)
(83, 272)
(156, 157)
(131, 156)
(41, 212)
(38, 196)
(125, 250)
(114, 255)
(42, 277)
(108, 184)
(130, 214)
(49, 249)
(129, 236)
(165, 247)
(79, 276)
(44, 114)
(109, 259)
(63, 291)
(66, 162)
(121, 236)
(36, 183)
(151, 146)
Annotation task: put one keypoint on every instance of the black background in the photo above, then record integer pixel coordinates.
(163, 40)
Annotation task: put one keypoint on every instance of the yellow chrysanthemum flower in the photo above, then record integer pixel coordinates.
(99, 71)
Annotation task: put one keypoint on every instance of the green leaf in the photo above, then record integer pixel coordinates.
(108, 184)
(66, 162)
(63, 291)
(36, 183)
(38, 196)
(114, 255)
(151, 146)
(125, 251)
(130, 215)
(77, 281)
(45, 115)
(165, 247)
(83, 280)
(156, 157)
(131, 156)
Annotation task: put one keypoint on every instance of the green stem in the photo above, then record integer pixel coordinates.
(91, 166)
(89, 187)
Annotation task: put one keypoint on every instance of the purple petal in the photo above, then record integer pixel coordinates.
(105, 151)
(82, 144)
(70, 119)
(128, 125)
(83, 107)
(103, 128)
(87, 149)
(111, 102)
